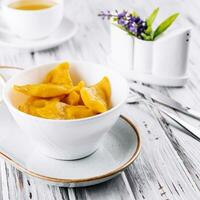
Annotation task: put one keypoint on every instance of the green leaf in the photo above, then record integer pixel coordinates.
(165, 25)
(148, 30)
(152, 17)
(150, 20)
(147, 37)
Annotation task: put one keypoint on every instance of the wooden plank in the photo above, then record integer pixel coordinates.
(159, 172)
(19, 186)
(187, 148)
(116, 189)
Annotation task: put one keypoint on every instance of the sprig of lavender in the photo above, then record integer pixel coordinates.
(129, 22)
(107, 14)
(135, 26)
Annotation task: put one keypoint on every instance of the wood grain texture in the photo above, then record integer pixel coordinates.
(168, 167)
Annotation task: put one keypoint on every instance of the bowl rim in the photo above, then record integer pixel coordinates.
(9, 104)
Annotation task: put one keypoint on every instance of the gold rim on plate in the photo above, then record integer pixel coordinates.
(63, 181)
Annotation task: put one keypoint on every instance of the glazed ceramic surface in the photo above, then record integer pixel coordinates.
(64, 32)
(67, 139)
(118, 149)
(34, 24)
(162, 62)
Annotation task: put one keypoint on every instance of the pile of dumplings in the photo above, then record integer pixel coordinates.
(58, 98)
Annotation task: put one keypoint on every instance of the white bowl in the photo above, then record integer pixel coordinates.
(67, 139)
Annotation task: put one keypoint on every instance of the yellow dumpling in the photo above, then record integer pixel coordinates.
(97, 97)
(27, 107)
(59, 75)
(53, 109)
(57, 98)
(45, 90)
(72, 99)
(46, 108)
(94, 99)
(104, 85)
(76, 112)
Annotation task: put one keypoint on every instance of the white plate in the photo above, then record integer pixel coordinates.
(65, 31)
(119, 148)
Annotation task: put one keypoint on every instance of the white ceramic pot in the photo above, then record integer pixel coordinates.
(143, 56)
(32, 24)
(121, 49)
(129, 52)
(67, 139)
(171, 54)
(151, 61)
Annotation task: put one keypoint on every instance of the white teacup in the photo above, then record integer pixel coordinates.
(32, 24)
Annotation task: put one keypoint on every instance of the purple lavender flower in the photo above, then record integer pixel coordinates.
(130, 23)
(122, 21)
(132, 19)
(138, 20)
(122, 14)
(133, 29)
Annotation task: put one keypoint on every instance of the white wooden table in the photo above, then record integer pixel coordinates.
(168, 167)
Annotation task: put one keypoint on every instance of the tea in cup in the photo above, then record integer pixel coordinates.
(32, 5)
(32, 19)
